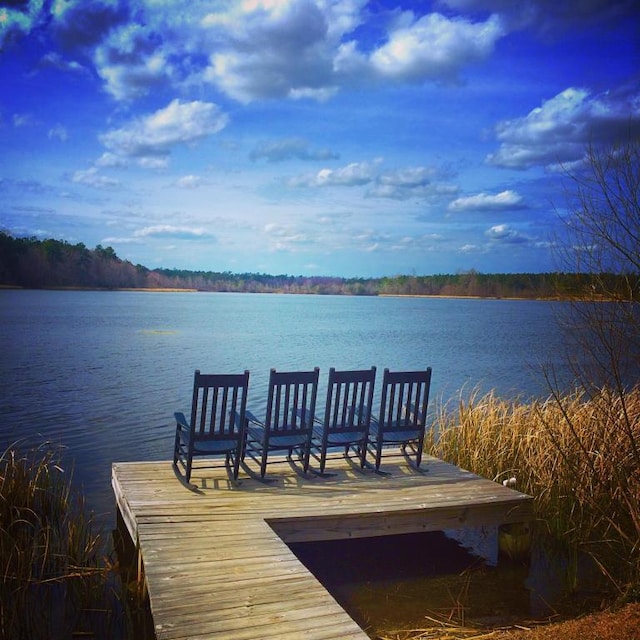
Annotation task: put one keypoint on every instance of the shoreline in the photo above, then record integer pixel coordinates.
(9, 287)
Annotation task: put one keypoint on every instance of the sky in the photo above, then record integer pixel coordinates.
(309, 137)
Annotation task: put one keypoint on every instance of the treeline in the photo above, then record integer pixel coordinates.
(37, 264)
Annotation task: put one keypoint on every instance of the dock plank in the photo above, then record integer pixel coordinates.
(216, 561)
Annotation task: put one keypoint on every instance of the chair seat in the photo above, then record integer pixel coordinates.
(214, 446)
(394, 434)
(283, 441)
(339, 438)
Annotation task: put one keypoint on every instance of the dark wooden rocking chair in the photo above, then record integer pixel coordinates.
(217, 425)
(403, 412)
(288, 421)
(347, 414)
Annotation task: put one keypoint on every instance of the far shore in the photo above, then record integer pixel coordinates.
(378, 295)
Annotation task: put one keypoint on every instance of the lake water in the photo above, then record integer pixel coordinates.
(101, 373)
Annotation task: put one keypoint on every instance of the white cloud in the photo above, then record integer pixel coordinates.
(268, 49)
(504, 201)
(435, 47)
(290, 148)
(353, 174)
(133, 60)
(189, 182)
(411, 182)
(559, 130)
(111, 160)
(92, 178)
(170, 231)
(150, 139)
(21, 20)
(286, 237)
(505, 234)
(58, 132)
(23, 120)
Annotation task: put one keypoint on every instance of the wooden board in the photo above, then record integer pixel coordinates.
(215, 555)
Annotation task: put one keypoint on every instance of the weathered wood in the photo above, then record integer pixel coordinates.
(215, 556)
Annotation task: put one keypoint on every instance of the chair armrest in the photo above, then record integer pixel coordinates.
(181, 421)
(302, 414)
(366, 409)
(235, 420)
(411, 409)
(251, 418)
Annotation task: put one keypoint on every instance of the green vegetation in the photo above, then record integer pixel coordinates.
(38, 264)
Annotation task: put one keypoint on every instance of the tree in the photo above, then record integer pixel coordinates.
(602, 247)
(603, 242)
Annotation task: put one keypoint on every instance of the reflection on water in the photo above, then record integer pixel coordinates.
(413, 581)
(396, 582)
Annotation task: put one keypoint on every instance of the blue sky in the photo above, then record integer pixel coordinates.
(309, 137)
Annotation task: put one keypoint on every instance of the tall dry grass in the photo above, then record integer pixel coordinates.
(578, 457)
(54, 582)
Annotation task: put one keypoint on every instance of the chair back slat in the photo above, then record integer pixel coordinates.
(349, 398)
(403, 410)
(405, 398)
(291, 401)
(216, 399)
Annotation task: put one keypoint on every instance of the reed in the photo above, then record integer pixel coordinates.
(54, 583)
(577, 455)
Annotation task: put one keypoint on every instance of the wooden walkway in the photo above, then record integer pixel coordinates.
(216, 560)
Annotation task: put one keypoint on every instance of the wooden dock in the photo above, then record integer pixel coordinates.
(216, 560)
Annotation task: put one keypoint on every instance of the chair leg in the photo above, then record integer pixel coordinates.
(378, 454)
(307, 455)
(263, 463)
(323, 457)
(362, 451)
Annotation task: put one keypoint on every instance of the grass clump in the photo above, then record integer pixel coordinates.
(577, 455)
(54, 582)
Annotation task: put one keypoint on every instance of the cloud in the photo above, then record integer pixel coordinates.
(411, 182)
(504, 201)
(91, 178)
(559, 130)
(290, 148)
(149, 139)
(59, 132)
(178, 233)
(549, 16)
(134, 60)
(353, 174)
(55, 60)
(269, 49)
(505, 234)
(83, 24)
(286, 237)
(20, 19)
(189, 182)
(23, 120)
(435, 47)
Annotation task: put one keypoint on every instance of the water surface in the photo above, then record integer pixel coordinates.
(101, 373)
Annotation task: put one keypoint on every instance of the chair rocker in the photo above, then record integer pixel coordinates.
(288, 421)
(402, 417)
(217, 425)
(347, 415)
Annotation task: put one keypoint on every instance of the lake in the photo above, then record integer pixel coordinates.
(101, 373)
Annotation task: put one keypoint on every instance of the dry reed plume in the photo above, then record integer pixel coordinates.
(578, 456)
(52, 582)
